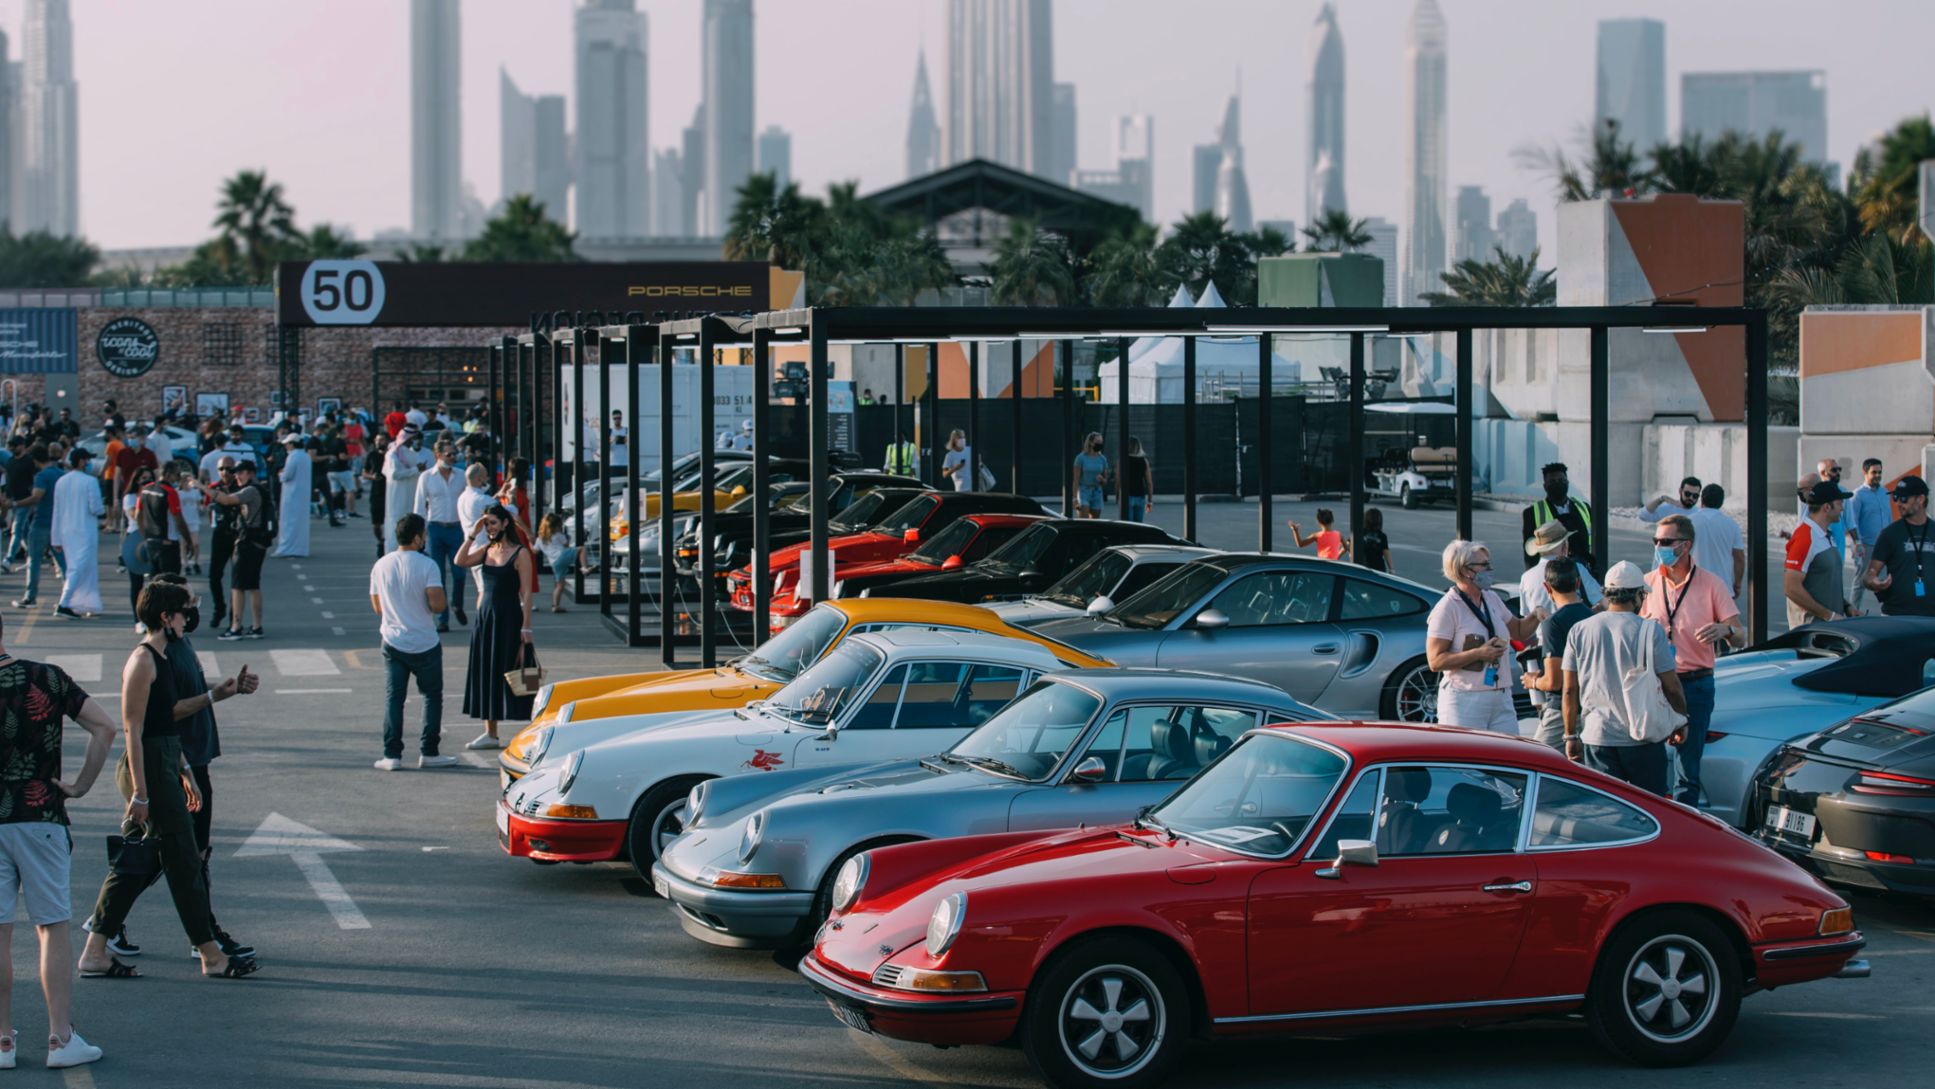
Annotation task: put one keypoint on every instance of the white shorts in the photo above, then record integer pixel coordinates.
(1481, 709)
(35, 858)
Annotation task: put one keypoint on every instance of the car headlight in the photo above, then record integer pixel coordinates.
(694, 804)
(571, 767)
(945, 924)
(540, 744)
(848, 883)
(749, 840)
(565, 712)
(542, 701)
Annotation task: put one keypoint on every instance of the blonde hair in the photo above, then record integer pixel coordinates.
(551, 525)
(1459, 555)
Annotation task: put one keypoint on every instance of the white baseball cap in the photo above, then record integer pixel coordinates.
(1625, 575)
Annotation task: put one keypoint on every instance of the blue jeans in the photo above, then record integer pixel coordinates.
(398, 667)
(38, 542)
(1644, 766)
(23, 520)
(1699, 712)
(1138, 507)
(441, 544)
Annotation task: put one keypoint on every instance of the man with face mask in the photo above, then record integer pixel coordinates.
(1812, 575)
(1696, 608)
(1567, 509)
(1901, 569)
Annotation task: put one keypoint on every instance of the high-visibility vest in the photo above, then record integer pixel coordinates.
(1542, 513)
(900, 457)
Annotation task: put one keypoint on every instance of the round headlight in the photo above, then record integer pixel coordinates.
(848, 883)
(749, 840)
(540, 744)
(945, 924)
(543, 700)
(694, 804)
(571, 767)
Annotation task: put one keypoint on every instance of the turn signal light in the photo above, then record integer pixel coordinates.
(571, 812)
(748, 881)
(1884, 782)
(921, 979)
(1837, 921)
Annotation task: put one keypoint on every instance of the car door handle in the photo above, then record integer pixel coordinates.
(1324, 648)
(1510, 886)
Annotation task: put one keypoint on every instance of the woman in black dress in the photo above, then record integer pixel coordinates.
(503, 627)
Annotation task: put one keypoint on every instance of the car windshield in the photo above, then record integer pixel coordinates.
(1027, 738)
(908, 517)
(680, 467)
(1168, 596)
(859, 513)
(951, 541)
(1258, 798)
(820, 694)
(1025, 550)
(782, 657)
(1091, 580)
(726, 479)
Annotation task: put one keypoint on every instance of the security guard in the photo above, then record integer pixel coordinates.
(900, 455)
(1562, 506)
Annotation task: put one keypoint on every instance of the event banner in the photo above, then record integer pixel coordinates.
(541, 297)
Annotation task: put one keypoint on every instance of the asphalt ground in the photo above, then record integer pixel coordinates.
(402, 948)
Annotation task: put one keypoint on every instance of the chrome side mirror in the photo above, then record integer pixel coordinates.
(1211, 620)
(1090, 770)
(1100, 605)
(1350, 852)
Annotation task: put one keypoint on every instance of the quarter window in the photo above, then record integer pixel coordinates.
(1450, 811)
(1277, 597)
(1569, 815)
(1355, 819)
(1370, 601)
(1175, 742)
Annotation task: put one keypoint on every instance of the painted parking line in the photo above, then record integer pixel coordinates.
(303, 663)
(313, 691)
(85, 668)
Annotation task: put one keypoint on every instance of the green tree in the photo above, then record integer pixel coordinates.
(771, 223)
(40, 259)
(1505, 280)
(1336, 232)
(1607, 165)
(1031, 267)
(520, 231)
(909, 264)
(257, 225)
(324, 241)
(419, 253)
(1123, 270)
(1875, 270)
(1884, 178)
(1201, 250)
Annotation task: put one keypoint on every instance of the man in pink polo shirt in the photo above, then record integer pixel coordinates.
(1696, 608)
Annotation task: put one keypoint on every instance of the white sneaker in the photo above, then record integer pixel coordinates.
(9, 1051)
(77, 1052)
(389, 763)
(484, 741)
(436, 761)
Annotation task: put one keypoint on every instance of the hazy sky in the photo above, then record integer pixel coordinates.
(177, 94)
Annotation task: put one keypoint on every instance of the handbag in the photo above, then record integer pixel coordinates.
(137, 857)
(986, 480)
(528, 677)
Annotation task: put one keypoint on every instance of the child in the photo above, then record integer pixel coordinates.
(554, 543)
(191, 513)
(1373, 549)
(1330, 543)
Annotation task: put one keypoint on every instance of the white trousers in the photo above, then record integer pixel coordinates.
(1485, 709)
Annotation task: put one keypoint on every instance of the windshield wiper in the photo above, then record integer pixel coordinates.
(933, 763)
(989, 763)
(1153, 823)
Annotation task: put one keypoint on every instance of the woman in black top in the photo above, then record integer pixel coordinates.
(160, 794)
(1138, 481)
(503, 628)
(1372, 549)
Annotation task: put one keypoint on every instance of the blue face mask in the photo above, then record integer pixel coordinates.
(1666, 555)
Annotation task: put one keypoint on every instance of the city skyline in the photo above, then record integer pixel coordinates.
(1172, 67)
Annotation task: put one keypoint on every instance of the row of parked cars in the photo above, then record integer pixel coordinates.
(1080, 795)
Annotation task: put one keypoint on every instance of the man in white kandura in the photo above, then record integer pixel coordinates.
(77, 531)
(292, 534)
(400, 471)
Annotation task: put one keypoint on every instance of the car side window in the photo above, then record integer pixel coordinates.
(931, 691)
(1569, 815)
(1355, 819)
(1139, 577)
(1175, 742)
(987, 541)
(1370, 601)
(990, 688)
(1449, 811)
(878, 712)
(1269, 598)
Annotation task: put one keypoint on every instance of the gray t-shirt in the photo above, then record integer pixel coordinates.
(963, 480)
(1602, 651)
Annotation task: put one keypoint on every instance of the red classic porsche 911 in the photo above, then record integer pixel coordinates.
(1324, 878)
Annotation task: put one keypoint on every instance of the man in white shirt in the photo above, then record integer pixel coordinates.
(238, 447)
(1548, 543)
(416, 417)
(1660, 507)
(471, 505)
(1718, 545)
(436, 501)
(620, 441)
(159, 442)
(406, 592)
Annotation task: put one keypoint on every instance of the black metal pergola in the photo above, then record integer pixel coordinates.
(818, 329)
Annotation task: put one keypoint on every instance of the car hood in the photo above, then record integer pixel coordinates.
(686, 690)
(870, 543)
(1755, 695)
(1899, 739)
(752, 728)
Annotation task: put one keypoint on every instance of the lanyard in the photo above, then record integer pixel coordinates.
(1672, 604)
(1484, 615)
(1920, 545)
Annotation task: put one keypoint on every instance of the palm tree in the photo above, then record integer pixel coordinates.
(255, 222)
(1123, 271)
(1876, 270)
(1506, 280)
(1031, 267)
(907, 265)
(1200, 251)
(40, 259)
(1336, 232)
(1609, 166)
(770, 222)
(325, 241)
(1883, 180)
(520, 231)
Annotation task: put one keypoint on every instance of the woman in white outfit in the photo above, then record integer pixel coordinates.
(1468, 642)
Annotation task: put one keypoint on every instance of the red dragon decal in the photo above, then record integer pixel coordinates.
(763, 761)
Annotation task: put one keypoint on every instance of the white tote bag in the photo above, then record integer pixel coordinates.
(1649, 718)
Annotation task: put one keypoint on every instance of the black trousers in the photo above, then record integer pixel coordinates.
(173, 828)
(204, 820)
(221, 548)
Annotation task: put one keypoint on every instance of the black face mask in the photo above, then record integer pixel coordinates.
(191, 618)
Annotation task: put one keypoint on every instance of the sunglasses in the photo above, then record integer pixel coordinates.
(1667, 541)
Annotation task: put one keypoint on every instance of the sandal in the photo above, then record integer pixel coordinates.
(116, 969)
(236, 968)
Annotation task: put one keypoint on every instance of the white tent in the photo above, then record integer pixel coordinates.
(1222, 363)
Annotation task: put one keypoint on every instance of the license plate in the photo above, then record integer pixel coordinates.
(852, 1017)
(503, 821)
(660, 888)
(1787, 822)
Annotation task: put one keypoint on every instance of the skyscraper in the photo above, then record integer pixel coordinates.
(1324, 171)
(1518, 229)
(1060, 167)
(1384, 246)
(923, 131)
(1471, 235)
(1000, 82)
(1204, 161)
(1424, 152)
(436, 121)
(692, 162)
(534, 151)
(1755, 104)
(727, 70)
(776, 154)
(1632, 80)
(1132, 182)
(668, 195)
(614, 129)
(1232, 184)
(9, 101)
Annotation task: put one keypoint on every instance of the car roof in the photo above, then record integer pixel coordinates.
(921, 642)
(1235, 561)
(1378, 742)
(1128, 682)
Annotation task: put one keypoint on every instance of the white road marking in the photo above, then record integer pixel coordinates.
(338, 630)
(210, 665)
(81, 667)
(78, 1077)
(303, 663)
(316, 600)
(427, 850)
(278, 835)
(329, 616)
(313, 691)
(476, 760)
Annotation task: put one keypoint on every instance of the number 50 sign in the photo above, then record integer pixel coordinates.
(342, 292)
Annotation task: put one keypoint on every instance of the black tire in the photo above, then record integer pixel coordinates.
(1666, 990)
(1411, 689)
(1071, 994)
(1406, 499)
(649, 821)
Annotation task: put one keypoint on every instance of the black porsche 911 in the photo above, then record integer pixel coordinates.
(1855, 803)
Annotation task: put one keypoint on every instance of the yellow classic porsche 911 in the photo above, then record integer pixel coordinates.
(754, 676)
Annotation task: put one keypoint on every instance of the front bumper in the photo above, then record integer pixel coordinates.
(927, 1019)
(737, 918)
(559, 841)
